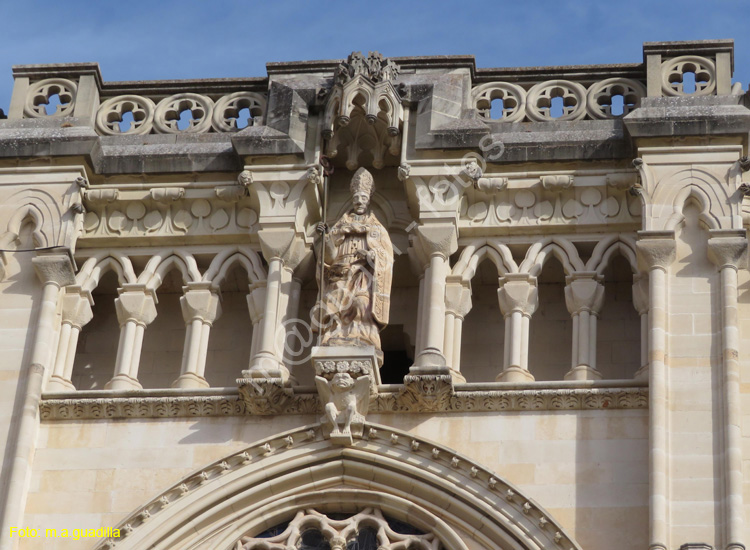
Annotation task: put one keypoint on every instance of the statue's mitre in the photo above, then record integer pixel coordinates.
(362, 182)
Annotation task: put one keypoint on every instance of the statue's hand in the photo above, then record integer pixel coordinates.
(321, 228)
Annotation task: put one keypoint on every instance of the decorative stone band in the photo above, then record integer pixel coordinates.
(504, 498)
(153, 405)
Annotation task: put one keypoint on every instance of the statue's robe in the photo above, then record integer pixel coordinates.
(356, 301)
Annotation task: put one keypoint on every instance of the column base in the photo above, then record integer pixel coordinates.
(583, 372)
(123, 382)
(268, 367)
(457, 377)
(430, 361)
(515, 374)
(190, 380)
(57, 383)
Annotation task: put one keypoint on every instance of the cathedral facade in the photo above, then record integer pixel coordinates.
(378, 304)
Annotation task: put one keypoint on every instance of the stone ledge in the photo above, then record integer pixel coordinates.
(226, 401)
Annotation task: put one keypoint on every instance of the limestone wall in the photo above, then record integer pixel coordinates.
(589, 469)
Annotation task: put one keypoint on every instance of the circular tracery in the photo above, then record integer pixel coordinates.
(40, 94)
(368, 529)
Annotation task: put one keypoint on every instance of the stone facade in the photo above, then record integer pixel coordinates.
(565, 362)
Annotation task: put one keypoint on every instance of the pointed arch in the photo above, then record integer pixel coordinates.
(562, 249)
(161, 264)
(44, 211)
(28, 213)
(407, 477)
(476, 252)
(222, 263)
(605, 248)
(694, 194)
(95, 267)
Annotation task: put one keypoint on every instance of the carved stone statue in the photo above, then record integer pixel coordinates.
(346, 402)
(358, 268)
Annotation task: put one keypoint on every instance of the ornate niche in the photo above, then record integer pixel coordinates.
(363, 114)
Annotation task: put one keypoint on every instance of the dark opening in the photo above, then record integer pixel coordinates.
(396, 355)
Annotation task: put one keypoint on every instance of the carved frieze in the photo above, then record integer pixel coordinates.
(164, 212)
(406, 401)
(553, 201)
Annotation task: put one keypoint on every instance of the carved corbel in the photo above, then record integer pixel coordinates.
(264, 396)
(492, 185)
(426, 392)
(556, 184)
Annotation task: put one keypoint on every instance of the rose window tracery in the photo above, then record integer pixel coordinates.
(366, 530)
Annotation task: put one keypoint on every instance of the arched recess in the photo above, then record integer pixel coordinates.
(479, 270)
(238, 274)
(620, 325)
(164, 339)
(410, 479)
(96, 351)
(551, 261)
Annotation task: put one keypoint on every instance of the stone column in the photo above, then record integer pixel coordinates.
(76, 312)
(518, 298)
(55, 270)
(656, 252)
(256, 300)
(200, 308)
(136, 309)
(640, 302)
(584, 296)
(728, 250)
(283, 250)
(434, 244)
(457, 306)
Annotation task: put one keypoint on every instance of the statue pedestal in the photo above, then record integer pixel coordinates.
(354, 360)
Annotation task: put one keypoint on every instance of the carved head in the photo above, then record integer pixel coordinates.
(342, 381)
(362, 186)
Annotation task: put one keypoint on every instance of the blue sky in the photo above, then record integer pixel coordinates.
(167, 39)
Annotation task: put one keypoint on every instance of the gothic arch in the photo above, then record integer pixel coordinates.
(562, 249)
(222, 263)
(475, 253)
(604, 250)
(712, 196)
(95, 267)
(161, 264)
(407, 477)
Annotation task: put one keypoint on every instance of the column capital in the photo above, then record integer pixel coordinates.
(656, 249)
(136, 303)
(76, 306)
(518, 292)
(728, 248)
(457, 297)
(55, 266)
(435, 237)
(584, 292)
(283, 243)
(201, 302)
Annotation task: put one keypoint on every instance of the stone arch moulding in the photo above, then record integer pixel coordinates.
(409, 478)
